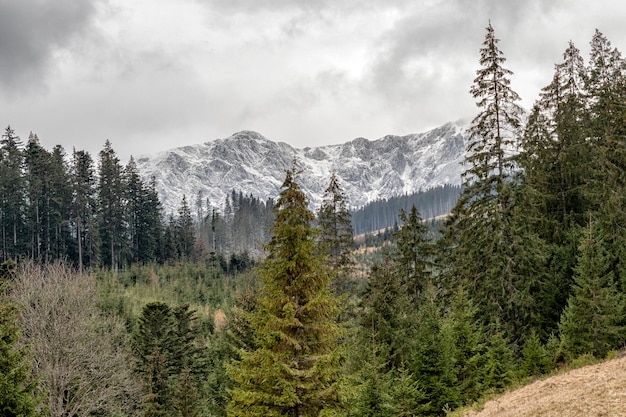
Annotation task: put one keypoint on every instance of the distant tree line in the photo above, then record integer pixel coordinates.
(103, 214)
(242, 226)
(381, 214)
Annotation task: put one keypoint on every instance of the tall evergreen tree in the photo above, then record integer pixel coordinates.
(494, 131)
(592, 321)
(388, 318)
(554, 149)
(144, 215)
(336, 233)
(111, 209)
(469, 346)
(488, 254)
(185, 231)
(12, 223)
(37, 165)
(606, 96)
(84, 209)
(557, 159)
(413, 254)
(294, 370)
(58, 202)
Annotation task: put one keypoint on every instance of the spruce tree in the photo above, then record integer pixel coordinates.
(83, 209)
(606, 96)
(413, 253)
(592, 321)
(370, 378)
(185, 231)
(557, 149)
(487, 250)
(12, 223)
(499, 364)
(433, 362)
(294, 370)
(19, 393)
(336, 233)
(155, 346)
(144, 215)
(556, 158)
(469, 346)
(113, 222)
(387, 318)
(37, 171)
(535, 359)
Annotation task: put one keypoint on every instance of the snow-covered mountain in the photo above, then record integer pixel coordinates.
(367, 169)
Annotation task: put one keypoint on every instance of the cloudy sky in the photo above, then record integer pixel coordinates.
(155, 74)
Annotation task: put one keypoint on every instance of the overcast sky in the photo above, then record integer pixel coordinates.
(155, 74)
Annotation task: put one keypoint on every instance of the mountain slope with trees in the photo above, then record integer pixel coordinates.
(128, 311)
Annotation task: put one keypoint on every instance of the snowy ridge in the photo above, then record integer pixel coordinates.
(250, 163)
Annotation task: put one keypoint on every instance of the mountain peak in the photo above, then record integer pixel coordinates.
(249, 162)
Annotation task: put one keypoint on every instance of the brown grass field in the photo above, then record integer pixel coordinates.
(591, 391)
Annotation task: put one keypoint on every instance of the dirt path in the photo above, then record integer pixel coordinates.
(592, 391)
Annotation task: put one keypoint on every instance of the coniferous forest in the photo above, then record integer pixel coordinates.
(110, 307)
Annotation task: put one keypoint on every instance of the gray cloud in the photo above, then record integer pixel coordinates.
(428, 59)
(31, 31)
(255, 6)
(154, 74)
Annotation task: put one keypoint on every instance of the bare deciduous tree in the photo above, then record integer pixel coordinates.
(80, 353)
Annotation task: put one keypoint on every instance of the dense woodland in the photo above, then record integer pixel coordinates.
(525, 275)
(383, 214)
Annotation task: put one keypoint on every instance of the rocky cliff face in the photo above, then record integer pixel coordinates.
(367, 169)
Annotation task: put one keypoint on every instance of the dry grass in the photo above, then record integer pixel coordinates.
(592, 391)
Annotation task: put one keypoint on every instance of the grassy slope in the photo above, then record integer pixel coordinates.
(595, 390)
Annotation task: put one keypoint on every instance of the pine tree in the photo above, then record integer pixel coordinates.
(499, 363)
(294, 371)
(564, 152)
(413, 253)
(154, 345)
(12, 223)
(606, 96)
(186, 396)
(336, 233)
(112, 209)
(374, 383)
(19, 392)
(58, 203)
(433, 362)
(144, 215)
(556, 159)
(185, 231)
(387, 318)
(378, 385)
(592, 321)
(83, 209)
(535, 360)
(494, 131)
(406, 395)
(37, 171)
(487, 250)
(469, 346)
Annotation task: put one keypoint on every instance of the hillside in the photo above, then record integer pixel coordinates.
(595, 390)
